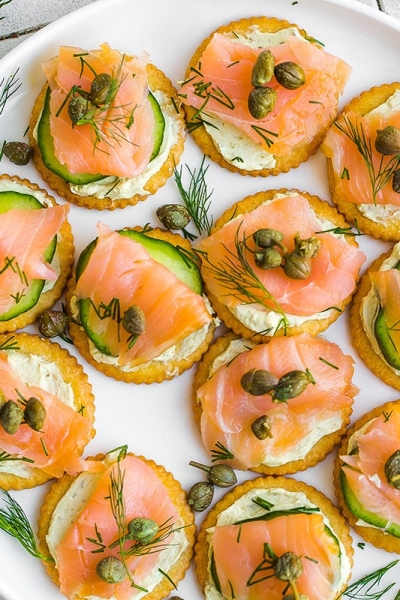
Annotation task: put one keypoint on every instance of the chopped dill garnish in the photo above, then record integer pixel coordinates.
(314, 40)
(9, 344)
(232, 64)
(328, 363)
(46, 452)
(8, 87)
(386, 415)
(237, 159)
(221, 453)
(168, 577)
(361, 545)
(315, 102)
(4, 457)
(262, 502)
(363, 589)
(345, 174)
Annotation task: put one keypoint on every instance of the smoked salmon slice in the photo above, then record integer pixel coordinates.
(221, 83)
(24, 236)
(120, 141)
(228, 410)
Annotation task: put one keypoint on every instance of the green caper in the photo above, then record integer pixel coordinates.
(268, 259)
(267, 238)
(142, 530)
(52, 322)
(263, 69)
(78, 109)
(293, 597)
(111, 570)
(290, 385)
(396, 181)
(392, 469)
(34, 414)
(387, 141)
(258, 382)
(11, 417)
(134, 320)
(219, 475)
(175, 598)
(200, 495)
(18, 153)
(173, 216)
(307, 248)
(290, 75)
(296, 266)
(288, 567)
(261, 427)
(100, 88)
(261, 101)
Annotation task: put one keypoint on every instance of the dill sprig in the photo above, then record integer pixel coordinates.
(4, 457)
(365, 588)
(221, 453)
(8, 87)
(379, 176)
(9, 344)
(14, 521)
(196, 197)
(238, 277)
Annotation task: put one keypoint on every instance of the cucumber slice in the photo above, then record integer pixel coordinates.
(14, 200)
(358, 510)
(46, 143)
(385, 342)
(161, 251)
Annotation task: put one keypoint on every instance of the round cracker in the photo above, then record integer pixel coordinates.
(362, 104)
(283, 163)
(158, 81)
(338, 524)
(154, 371)
(322, 210)
(65, 254)
(176, 494)
(73, 374)
(370, 534)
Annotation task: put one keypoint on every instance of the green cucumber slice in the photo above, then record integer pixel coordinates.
(385, 342)
(14, 200)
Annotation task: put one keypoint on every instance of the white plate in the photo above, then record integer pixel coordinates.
(156, 420)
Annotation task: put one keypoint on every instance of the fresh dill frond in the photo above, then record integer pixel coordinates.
(8, 87)
(221, 453)
(196, 196)
(366, 587)
(14, 521)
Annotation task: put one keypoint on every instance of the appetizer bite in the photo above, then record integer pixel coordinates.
(275, 538)
(137, 305)
(36, 252)
(106, 130)
(367, 474)
(363, 161)
(280, 262)
(260, 94)
(375, 316)
(274, 408)
(46, 412)
(124, 531)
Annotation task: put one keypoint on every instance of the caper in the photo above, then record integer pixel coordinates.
(111, 570)
(11, 417)
(290, 385)
(142, 530)
(258, 382)
(263, 69)
(200, 495)
(52, 323)
(34, 414)
(78, 109)
(175, 598)
(261, 101)
(387, 141)
(290, 75)
(100, 88)
(307, 248)
(219, 475)
(392, 470)
(288, 567)
(268, 259)
(18, 153)
(267, 238)
(261, 427)
(296, 266)
(173, 216)
(396, 181)
(134, 320)
(293, 597)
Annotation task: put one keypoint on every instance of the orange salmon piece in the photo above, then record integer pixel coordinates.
(228, 411)
(24, 236)
(334, 269)
(57, 448)
(239, 550)
(298, 115)
(387, 286)
(352, 176)
(123, 143)
(365, 471)
(144, 496)
(121, 268)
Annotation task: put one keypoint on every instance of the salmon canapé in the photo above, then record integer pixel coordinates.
(260, 428)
